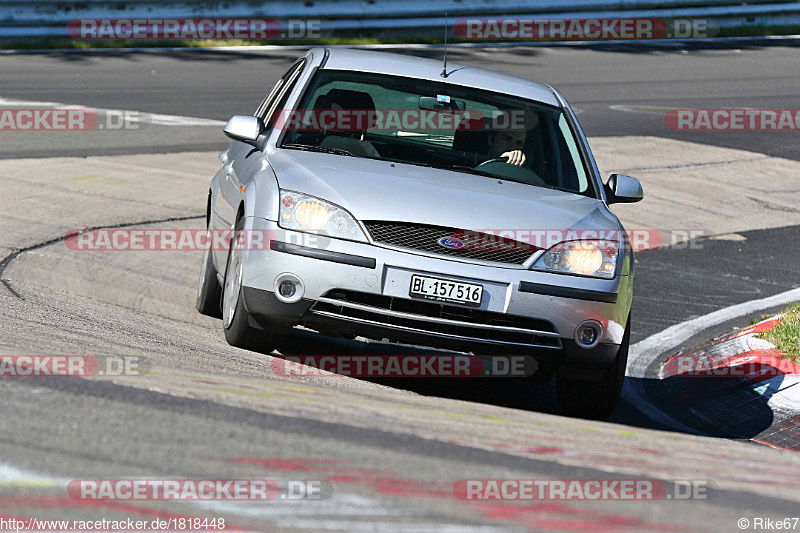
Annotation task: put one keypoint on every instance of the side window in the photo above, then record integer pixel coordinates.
(573, 170)
(278, 95)
(268, 100)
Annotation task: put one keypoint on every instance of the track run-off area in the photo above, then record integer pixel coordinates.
(391, 450)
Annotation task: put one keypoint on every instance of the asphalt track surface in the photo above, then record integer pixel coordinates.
(218, 85)
(211, 411)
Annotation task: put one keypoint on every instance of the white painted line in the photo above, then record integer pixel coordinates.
(130, 116)
(11, 476)
(643, 353)
(783, 390)
(648, 109)
(654, 109)
(8, 102)
(690, 166)
(786, 398)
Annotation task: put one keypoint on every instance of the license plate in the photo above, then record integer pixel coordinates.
(443, 290)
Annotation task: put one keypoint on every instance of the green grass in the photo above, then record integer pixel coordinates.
(786, 335)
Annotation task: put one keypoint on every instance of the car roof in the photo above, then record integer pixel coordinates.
(431, 69)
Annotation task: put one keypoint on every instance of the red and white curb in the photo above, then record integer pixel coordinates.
(741, 354)
(740, 384)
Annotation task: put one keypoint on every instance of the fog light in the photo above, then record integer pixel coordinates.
(287, 289)
(587, 334)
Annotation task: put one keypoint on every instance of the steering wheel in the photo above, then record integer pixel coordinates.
(501, 167)
(495, 160)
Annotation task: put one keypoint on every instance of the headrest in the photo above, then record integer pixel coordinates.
(472, 136)
(346, 99)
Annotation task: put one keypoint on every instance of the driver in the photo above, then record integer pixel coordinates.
(507, 144)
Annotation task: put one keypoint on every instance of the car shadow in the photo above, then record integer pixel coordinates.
(511, 392)
(730, 408)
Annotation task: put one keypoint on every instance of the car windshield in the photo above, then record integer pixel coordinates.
(436, 124)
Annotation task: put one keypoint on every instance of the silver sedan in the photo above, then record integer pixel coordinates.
(387, 197)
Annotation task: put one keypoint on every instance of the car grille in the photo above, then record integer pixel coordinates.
(425, 238)
(436, 318)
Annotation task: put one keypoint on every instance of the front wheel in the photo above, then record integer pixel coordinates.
(595, 400)
(235, 318)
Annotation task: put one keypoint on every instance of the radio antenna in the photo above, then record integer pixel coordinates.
(444, 70)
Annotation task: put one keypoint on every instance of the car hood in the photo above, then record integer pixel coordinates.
(381, 190)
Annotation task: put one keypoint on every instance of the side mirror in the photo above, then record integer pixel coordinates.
(244, 128)
(623, 189)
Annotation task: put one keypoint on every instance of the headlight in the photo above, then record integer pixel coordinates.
(305, 213)
(597, 259)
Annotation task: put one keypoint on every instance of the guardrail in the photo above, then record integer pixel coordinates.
(39, 18)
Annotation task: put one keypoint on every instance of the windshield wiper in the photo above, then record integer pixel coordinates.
(464, 168)
(470, 170)
(322, 149)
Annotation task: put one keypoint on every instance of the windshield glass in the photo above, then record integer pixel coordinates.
(436, 124)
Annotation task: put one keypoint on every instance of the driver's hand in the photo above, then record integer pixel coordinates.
(514, 158)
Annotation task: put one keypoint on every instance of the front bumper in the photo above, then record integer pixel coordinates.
(362, 289)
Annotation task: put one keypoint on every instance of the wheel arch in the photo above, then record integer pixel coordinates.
(208, 210)
(239, 213)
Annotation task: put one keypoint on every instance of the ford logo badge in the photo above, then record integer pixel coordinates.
(451, 243)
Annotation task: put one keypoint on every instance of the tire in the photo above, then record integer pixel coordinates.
(209, 293)
(595, 400)
(235, 319)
